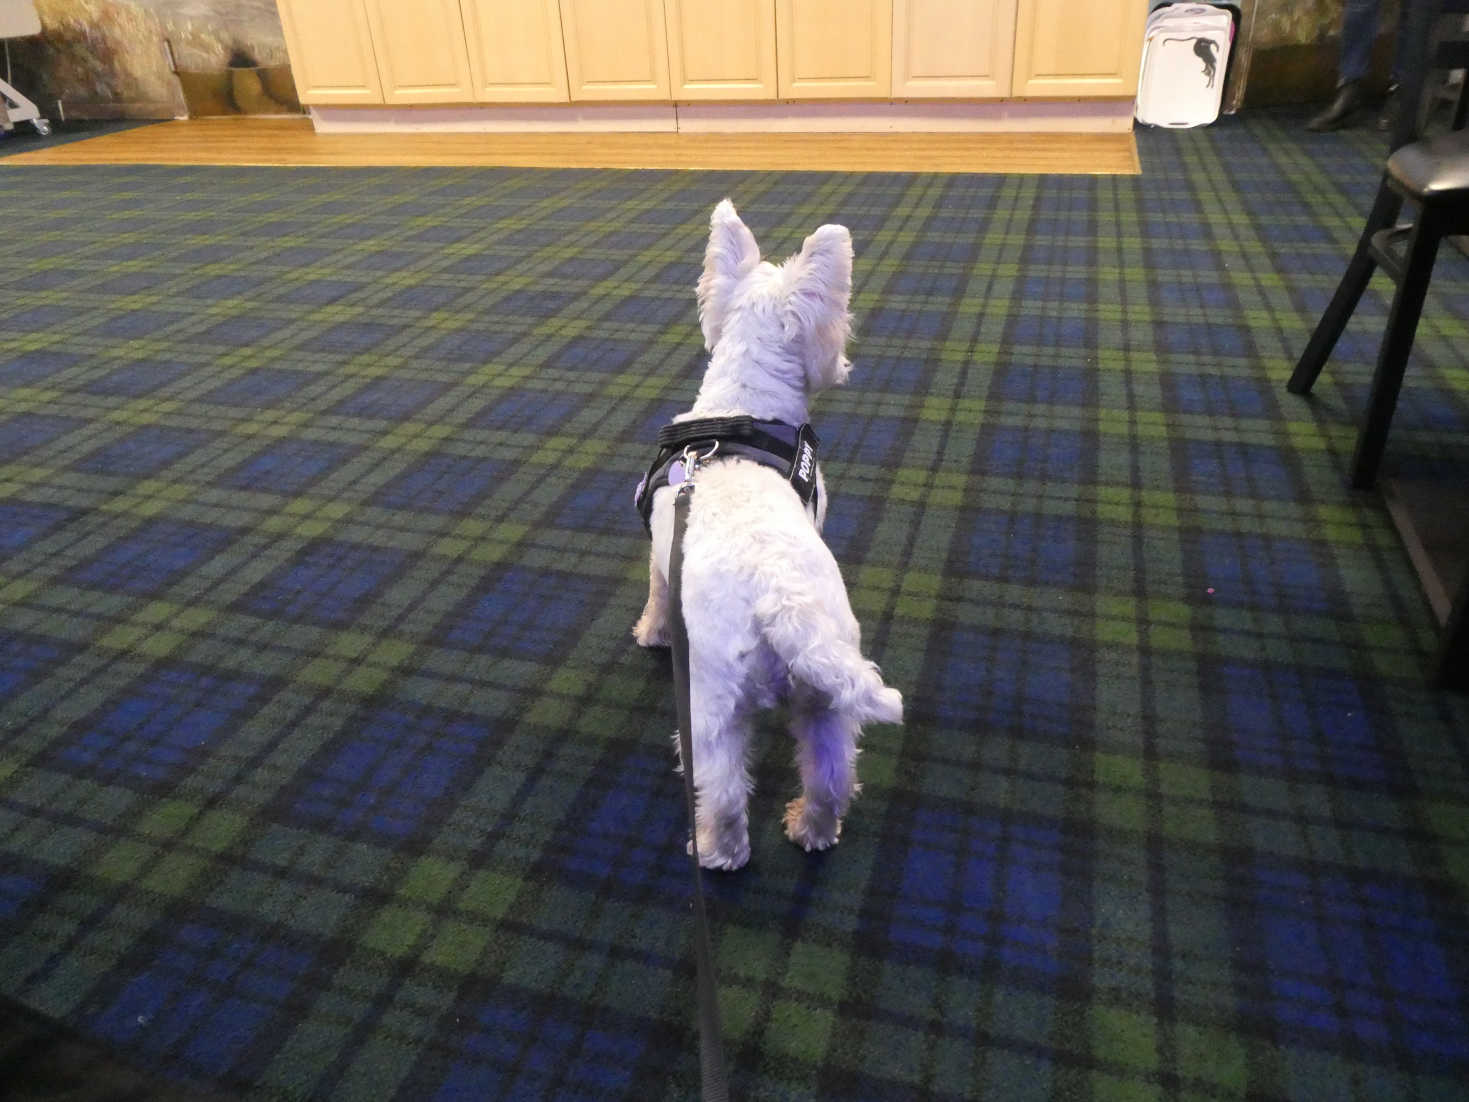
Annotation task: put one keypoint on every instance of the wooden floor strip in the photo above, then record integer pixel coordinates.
(254, 141)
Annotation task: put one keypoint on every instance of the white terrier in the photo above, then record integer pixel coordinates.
(763, 599)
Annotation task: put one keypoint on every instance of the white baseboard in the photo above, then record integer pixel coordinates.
(908, 116)
(475, 119)
(900, 116)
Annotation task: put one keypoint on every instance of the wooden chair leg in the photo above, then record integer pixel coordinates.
(1392, 356)
(1354, 281)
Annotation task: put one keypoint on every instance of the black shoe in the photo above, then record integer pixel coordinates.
(1350, 98)
(1389, 111)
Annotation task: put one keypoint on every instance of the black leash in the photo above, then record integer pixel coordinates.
(711, 1047)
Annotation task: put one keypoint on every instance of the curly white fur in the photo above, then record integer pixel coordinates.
(766, 610)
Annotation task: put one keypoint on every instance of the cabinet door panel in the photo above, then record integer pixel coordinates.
(615, 49)
(835, 48)
(421, 56)
(515, 52)
(1069, 49)
(721, 49)
(959, 48)
(331, 51)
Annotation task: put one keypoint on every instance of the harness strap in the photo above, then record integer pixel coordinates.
(789, 449)
(679, 433)
(711, 1046)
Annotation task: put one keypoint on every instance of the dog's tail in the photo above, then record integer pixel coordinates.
(822, 652)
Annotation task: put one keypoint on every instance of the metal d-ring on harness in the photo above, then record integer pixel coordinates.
(711, 1045)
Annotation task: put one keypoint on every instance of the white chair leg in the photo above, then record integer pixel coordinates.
(15, 108)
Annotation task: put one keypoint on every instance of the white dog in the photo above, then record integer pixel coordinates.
(763, 600)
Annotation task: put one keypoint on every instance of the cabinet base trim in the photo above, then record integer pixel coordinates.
(1085, 116)
(898, 116)
(474, 119)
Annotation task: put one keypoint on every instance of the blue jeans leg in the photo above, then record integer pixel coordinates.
(1358, 32)
(1404, 45)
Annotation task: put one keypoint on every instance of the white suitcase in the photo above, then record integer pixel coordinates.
(1185, 52)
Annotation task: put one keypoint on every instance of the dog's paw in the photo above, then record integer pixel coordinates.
(650, 633)
(811, 830)
(726, 855)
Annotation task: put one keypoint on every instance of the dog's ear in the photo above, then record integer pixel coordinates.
(818, 291)
(728, 258)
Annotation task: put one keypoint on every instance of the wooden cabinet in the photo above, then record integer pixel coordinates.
(721, 49)
(515, 53)
(615, 49)
(362, 52)
(834, 49)
(421, 56)
(331, 51)
(1067, 49)
(955, 48)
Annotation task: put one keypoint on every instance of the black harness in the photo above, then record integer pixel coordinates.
(789, 449)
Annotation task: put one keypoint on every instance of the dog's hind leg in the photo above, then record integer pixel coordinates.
(721, 740)
(826, 754)
(651, 630)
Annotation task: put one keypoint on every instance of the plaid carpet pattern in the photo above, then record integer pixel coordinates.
(328, 767)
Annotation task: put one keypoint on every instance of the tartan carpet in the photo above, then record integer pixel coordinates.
(328, 767)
